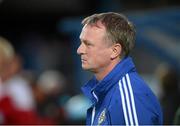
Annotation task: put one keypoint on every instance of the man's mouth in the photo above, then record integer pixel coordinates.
(83, 60)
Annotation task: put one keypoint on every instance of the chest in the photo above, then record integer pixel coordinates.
(98, 113)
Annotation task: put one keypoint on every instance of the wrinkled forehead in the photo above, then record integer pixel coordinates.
(93, 29)
(92, 32)
(97, 24)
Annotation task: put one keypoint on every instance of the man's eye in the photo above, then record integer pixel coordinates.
(88, 44)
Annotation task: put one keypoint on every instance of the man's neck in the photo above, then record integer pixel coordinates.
(105, 71)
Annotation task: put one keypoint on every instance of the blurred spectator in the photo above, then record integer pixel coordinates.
(16, 98)
(49, 94)
(168, 77)
(76, 108)
(177, 117)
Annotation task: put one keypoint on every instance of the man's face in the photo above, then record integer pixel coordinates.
(94, 49)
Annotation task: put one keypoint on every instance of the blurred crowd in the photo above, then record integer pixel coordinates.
(169, 83)
(26, 98)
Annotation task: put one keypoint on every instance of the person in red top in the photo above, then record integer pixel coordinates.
(16, 98)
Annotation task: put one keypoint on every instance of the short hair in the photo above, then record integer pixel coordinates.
(119, 29)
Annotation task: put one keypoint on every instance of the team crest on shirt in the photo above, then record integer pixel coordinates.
(102, 117)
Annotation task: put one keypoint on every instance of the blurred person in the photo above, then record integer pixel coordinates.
(76, 109)
(50, 96)
(169, 82)
(176, 120)
(16, 98)
(118, 93)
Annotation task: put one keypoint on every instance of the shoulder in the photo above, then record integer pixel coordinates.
(20, 92)
(133, 99)
(133, 87)
(142, 91)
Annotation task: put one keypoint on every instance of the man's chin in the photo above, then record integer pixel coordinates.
(85, 67)
(88, 69)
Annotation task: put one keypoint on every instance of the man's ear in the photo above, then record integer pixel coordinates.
(116, 50)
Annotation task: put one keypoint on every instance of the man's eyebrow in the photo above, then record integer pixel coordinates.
(84, 41)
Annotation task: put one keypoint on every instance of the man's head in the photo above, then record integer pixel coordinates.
(105, 39)
(118, 29)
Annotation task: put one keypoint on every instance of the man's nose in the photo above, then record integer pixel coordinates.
(80, 50)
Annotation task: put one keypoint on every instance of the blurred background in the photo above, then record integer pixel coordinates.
(42, 75)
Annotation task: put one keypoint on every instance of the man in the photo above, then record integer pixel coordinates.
(118, 94)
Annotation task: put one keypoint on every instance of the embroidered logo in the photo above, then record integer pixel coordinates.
(102, 117)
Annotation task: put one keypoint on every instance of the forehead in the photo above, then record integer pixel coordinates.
(93, 30)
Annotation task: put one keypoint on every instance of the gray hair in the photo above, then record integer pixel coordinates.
(119, 29)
